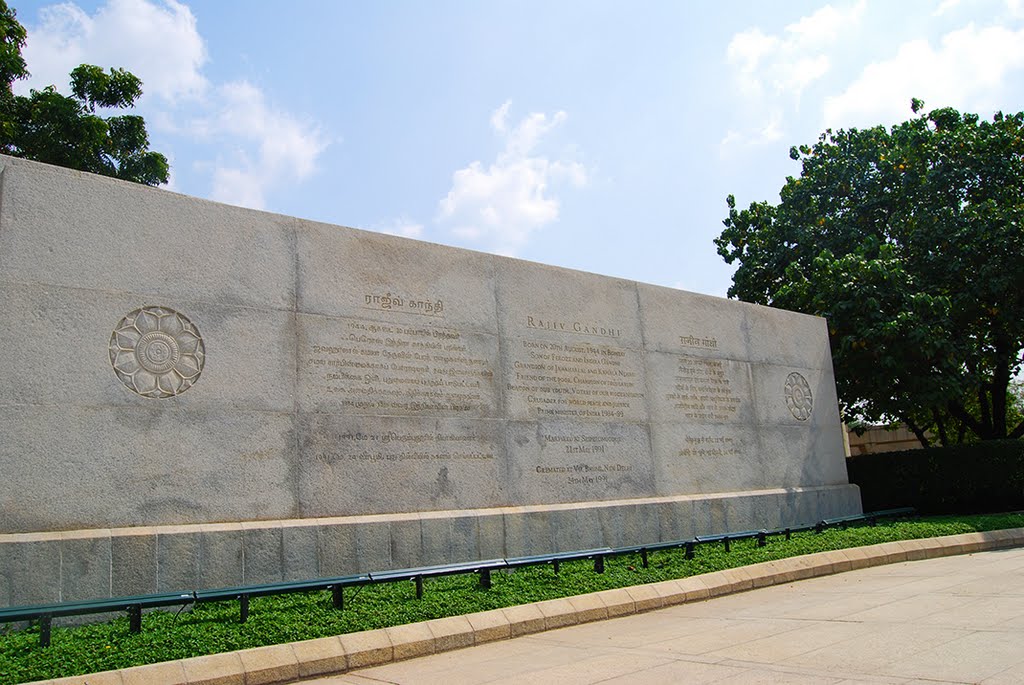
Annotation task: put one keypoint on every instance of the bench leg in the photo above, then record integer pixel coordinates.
(243, 605)
(338, 597)
(135, 618)
(45, 623)
(554, 563)
(485, 578)
(599, 563)
(726, 541)
(689, 550)
(419, 586)
(643, 557)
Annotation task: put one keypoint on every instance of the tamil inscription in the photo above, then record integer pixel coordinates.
(365, 366)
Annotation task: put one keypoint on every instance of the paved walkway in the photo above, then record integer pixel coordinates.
(950, 620)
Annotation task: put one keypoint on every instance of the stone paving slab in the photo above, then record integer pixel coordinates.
(960, 619)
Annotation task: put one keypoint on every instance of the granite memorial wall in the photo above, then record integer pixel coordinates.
(198, 395)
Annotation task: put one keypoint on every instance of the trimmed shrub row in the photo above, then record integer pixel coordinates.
(973, 478)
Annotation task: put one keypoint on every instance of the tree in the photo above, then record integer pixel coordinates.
(910, 242)
(66, 130)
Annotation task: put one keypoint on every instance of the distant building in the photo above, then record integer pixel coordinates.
(880, 439)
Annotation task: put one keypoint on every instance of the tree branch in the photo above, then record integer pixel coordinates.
(921, 437)
(986, 415)
(959, 412)
(941, 426)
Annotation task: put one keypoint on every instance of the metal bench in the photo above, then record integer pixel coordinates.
(244, 593)
(417, 575)
(45, 613)
(761, 535)
(556, 558)
(871, 517)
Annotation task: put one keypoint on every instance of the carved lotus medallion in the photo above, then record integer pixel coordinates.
(157, 352)
(798, 396)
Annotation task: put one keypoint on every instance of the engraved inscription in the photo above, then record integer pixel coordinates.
(394, 446)
(692, 341)
(157, 352)
(798, 396)
(394, 303)
(584, 473)
(709, 446)
(581, 380)
(600, 330)
(702, 391)
(360, 465)
(409, 369)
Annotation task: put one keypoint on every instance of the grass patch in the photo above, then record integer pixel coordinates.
(213, 628)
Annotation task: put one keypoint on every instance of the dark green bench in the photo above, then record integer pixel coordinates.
(598, 554)
(725, 538)
(417, 575)
(244, 593)
(871, 517)
(45, 613)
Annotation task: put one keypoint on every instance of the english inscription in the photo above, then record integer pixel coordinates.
(592, 472)
(575, 380)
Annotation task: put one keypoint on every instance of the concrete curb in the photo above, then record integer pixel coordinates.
(334, 655)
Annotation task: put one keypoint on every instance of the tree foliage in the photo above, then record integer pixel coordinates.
(47, 126)
(910, 242)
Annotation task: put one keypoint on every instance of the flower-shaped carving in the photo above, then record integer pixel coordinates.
(157, 352)
(798, 396)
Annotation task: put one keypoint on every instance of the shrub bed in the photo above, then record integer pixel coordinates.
(973, 478)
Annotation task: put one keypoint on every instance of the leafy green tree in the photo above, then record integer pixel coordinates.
(910, 242)
(66, 130)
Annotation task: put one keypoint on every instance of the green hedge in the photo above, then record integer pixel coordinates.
(975, 478)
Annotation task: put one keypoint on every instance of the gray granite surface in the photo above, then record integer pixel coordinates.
(202, 395)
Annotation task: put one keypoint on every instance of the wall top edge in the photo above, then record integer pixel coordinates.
(300, 224)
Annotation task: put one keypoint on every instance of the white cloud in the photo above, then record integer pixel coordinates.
(255, 145)
(786, 64)
(773, 71)
(501, 204)
(826, 25)
(158, 42)
(769, 132)
(945, 7)
(966, 71)
(285, 148)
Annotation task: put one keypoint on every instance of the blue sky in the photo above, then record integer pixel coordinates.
(601, 136)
